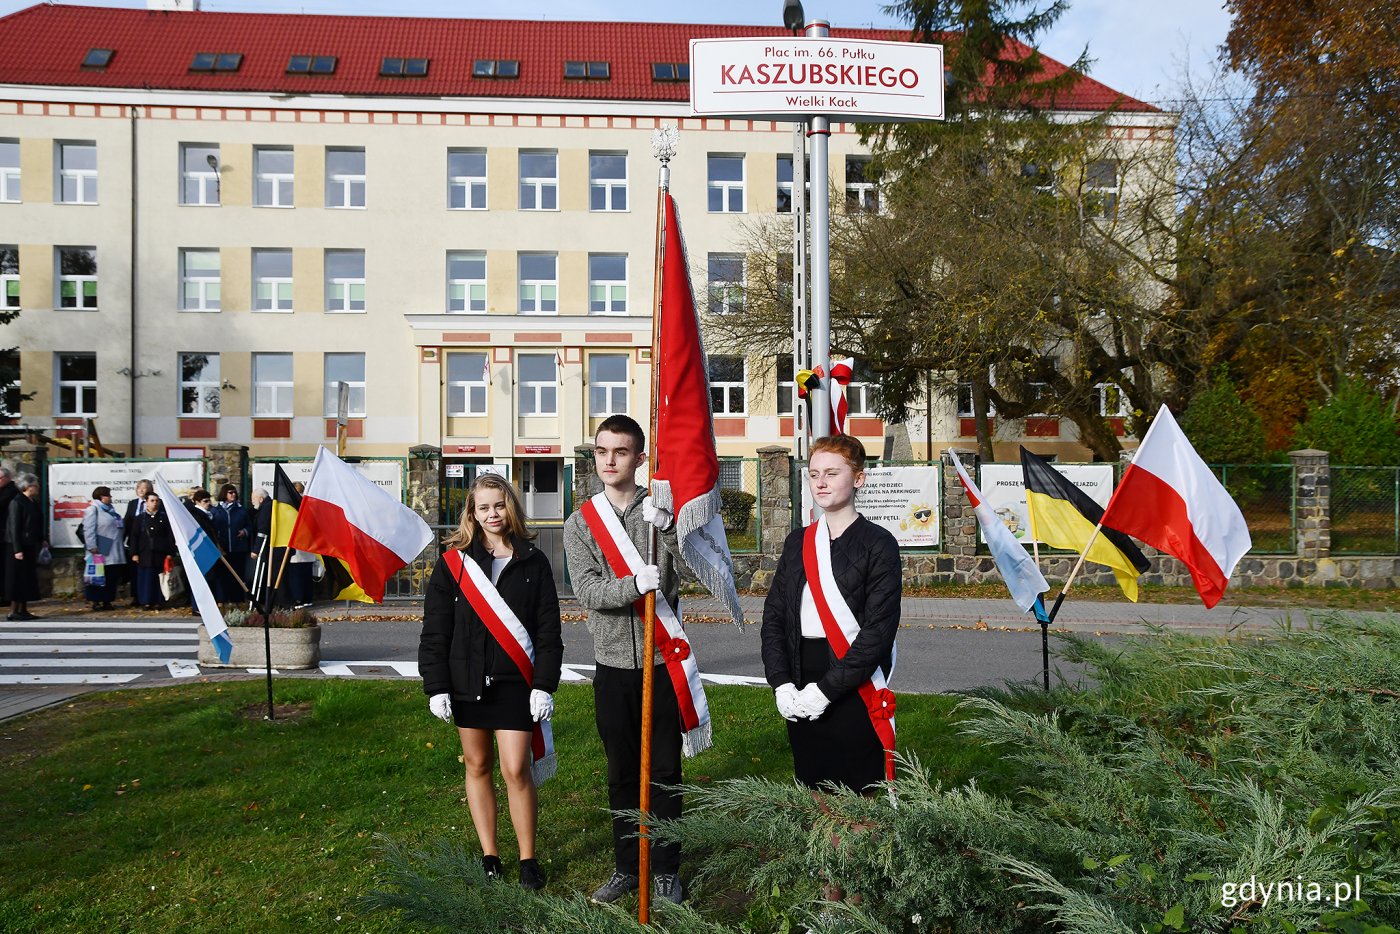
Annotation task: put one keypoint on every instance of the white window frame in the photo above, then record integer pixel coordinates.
(535, 388)
(276, 284)
(726, 188)
(78, 281)
(787, 185)
(82, 179)
(85, 390)
(1107, 393)
(729, 388)
(1109, 193)
(332, 393)
(6, 300)
(10, 177)
(205, 176)
(343, 185)
(478, 378)
(612, 390)
(280, 393)
(609, 289)
(539, 185)
(470, 185)
(208, 289)
(786, 385)
(613, 190)
(963, 394)
(728, 294)
(537, 288)
(470, 304)
(205, 385)
(283, 183)
(865, 193)
(344, 302)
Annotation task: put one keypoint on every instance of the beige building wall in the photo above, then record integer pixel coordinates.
(406, 230)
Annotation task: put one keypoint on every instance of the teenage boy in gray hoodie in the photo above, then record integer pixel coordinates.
(617, 628)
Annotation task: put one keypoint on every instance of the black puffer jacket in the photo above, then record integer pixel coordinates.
(456, 651)
(865, 563)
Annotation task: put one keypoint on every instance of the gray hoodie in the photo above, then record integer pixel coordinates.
(615, 624)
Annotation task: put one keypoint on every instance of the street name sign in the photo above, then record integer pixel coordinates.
(848, 80)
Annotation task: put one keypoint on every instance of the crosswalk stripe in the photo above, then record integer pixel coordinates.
(83, 662)
(91, 649)
(69, 679)
(186, 625)
(85, 636)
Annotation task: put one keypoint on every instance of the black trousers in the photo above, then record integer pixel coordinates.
(617, 703)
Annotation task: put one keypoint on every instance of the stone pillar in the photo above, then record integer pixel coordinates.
(775, 503)
(424, 493)
(23, 457)
(586, 482)
(225, 466)
(959, 519)
(1312, 485)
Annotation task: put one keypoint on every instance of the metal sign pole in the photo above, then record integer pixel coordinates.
(818, 133)
(800, 349)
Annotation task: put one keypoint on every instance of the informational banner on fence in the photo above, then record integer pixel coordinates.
(903, 500)
(1004, 488)
(71, 486)
(387, 474)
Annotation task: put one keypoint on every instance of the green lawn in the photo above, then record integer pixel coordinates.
(182, 809)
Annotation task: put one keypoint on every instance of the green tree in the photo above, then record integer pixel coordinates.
(1222, 426)
(1355, 426)
(10, 395)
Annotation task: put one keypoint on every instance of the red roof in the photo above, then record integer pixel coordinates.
(45, 45)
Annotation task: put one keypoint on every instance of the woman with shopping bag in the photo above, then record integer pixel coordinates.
(106, 555)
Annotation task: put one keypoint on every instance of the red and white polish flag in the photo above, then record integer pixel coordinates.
(1171, 500)
(346, 515)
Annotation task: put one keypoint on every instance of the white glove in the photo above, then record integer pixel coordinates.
(648, 579)
(541, 705)
(661, 518)
(811, 702)
(441, 706)
(786, 696)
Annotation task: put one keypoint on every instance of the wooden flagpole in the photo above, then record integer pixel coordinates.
(1069, 582)
(663, 143)
(1044, 623)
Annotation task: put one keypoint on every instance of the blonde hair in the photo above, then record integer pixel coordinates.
(467, 527)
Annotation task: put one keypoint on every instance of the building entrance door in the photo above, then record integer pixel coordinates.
(543, 491)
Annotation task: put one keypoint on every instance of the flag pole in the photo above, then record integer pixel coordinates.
(1069, 582)
(663, 144)
(268, 594)
(1046, 620)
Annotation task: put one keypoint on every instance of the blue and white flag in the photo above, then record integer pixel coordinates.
(1017, 568)
(197, 555)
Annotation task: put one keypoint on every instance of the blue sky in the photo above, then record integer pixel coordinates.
(1140, 47)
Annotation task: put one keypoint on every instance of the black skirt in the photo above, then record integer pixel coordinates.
(504, 705)
(841, 745)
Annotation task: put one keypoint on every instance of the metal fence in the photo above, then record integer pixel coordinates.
(741, 491)
(1265, 494)
(1366, 510)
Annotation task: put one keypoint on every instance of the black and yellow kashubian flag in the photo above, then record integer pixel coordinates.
(343, 586)
(285, 503)
(1063, 516)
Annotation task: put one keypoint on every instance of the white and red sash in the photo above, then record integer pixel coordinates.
(507, 629)
(841, 630)
(681, 666)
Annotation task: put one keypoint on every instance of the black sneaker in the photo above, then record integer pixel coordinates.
(617, 886)
(531, 875)
(668, 887)
(491, 867)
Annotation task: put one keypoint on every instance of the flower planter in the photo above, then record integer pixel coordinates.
(291, 648)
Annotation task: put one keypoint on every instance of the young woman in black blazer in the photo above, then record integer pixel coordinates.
(833, 711)
(470, 677)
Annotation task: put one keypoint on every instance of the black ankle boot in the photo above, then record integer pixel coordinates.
(531, 875)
